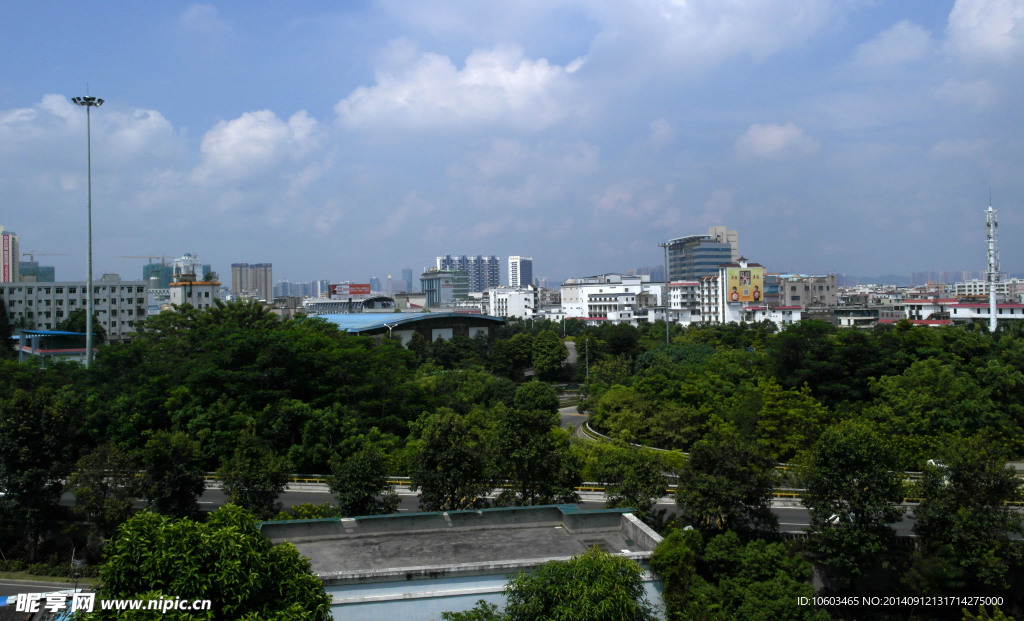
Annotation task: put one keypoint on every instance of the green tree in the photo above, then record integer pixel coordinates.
(105, 483)
(482, 611)
(789, 421)
(962, 512)
(172, 478)
(225, 560)
(6, 332)
(593, 585)
(632, 477)
(675, 560)
(536, 396)
(548, 354)
(726, 484)
(450, 466)
(360, 483)
(853, 493)
(76, 322)
(510, 357)
(255, 476)
(759, 580)
(533, 455)
(36, 429)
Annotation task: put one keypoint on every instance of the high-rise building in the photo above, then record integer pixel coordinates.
(375, 284)
(725, 236)
(698, 256)
(484, 272)
(31, 271)
(407, 279)
(520, 271)
(253, 280)
(262, 280)
(10, 256)
(158, 275)
(240, 279)
(444, 287)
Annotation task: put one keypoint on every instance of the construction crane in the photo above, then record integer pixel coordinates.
(148, 257)
(31, 254)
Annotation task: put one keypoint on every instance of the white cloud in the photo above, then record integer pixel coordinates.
(774, 141)
(903, 43)
(695, 36)
(251, 144)
(498, 86)
(960, 148)
(202, 19)
(986, 30)
(661, 134)
(977, 94)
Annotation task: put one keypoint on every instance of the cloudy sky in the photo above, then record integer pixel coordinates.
(349, 140)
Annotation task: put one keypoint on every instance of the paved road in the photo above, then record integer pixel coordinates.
(569, 416)
(13, 587)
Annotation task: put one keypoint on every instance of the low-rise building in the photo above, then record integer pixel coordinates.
(118, 305)
(518, 302)
(416, 566)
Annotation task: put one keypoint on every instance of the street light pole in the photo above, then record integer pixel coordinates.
(664, 293)
(89, 103)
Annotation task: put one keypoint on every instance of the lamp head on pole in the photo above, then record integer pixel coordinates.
(87, 101)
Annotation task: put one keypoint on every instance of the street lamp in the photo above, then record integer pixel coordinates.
(664, 293)
(89, 103)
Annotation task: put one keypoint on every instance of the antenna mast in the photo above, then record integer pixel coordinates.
(992, 226)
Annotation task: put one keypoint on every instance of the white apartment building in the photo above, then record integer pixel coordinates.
(1010, 288)
(965, 313)
(779, 315)
(520, 271)
(520, 302)
(684, 302)
(196, 293)
(607, 297)
(117, 304)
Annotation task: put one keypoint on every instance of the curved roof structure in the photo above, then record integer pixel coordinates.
(361, 323)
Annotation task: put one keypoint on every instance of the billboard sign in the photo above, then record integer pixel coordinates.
(348, 289)
(745, 284)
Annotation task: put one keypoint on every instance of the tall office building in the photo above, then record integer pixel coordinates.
(262, 280)
(375, 284)
(407, 279)
(520, 271)
(31, 271)
(696, 256)
(724, 236)
(10, 256)
(484, 272)
(253, 280)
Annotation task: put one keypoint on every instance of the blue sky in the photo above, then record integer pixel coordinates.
(349, 140)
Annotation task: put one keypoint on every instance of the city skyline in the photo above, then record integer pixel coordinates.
(836, 136)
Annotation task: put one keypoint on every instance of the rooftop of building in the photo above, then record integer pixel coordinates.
(379, 547)
(367, 322)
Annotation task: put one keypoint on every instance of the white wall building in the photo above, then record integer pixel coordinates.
(520, 302)
(964, 313)
(607, 297)
(520, 271)
(684, 302)
(118, 305)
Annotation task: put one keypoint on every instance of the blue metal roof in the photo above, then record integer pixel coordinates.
(365, 322)
(52, 332)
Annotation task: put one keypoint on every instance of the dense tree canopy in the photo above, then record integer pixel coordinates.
(225, 560)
